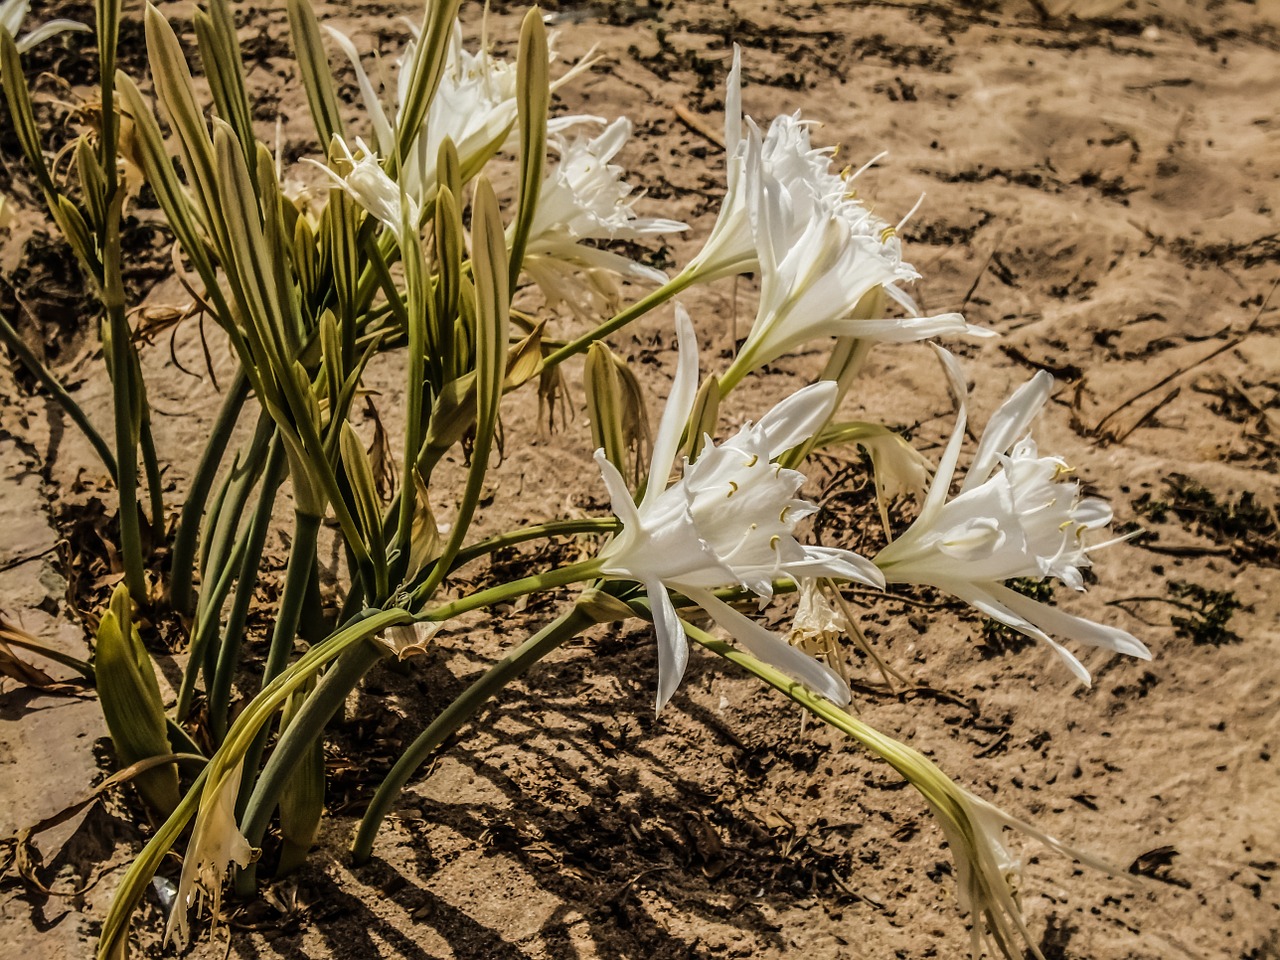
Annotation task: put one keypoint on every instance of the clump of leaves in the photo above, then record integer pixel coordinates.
(1209, 612)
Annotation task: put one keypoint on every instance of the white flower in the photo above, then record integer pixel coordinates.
(787, 154)
(586, 199)
(475, 106)
(1015, 516)
(13, 12)
(216, 841)
(816, 268)
(729, 520)
(368, 184)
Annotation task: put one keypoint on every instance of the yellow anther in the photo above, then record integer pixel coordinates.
(782, 517)
(773, 542)
(733, 488)
(887, 233)
(755, 458)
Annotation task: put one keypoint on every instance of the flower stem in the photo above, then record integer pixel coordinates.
(297, 584)
(638, 309)
(182, 565)
(462, 709)
(318, 709)
(573, 573)
(233, 632)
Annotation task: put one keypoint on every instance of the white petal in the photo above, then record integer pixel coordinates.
(673, 645)
(1006, 426)
(624, 507)
(684, 390)
(798, 417)
(51, 29)
(733, 105)
(836, 563)
(1076, 628)
(909, 329)
(383, 134)
(773, 650)
(983, 598)
(937, 496)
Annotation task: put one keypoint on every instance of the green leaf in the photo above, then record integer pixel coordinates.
(604, 404)
(131, 704)
(224, 67)
(431, 56)
(360, 475)
(177, 96)
(533, 100)
(317, 77)
(21, 114)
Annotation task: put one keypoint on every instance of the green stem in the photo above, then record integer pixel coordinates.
(553, 528)
(206, 627)
(638, 309)
(298, 576)
(155, 493)
(121, 367)
(573, 573)
(182, 565)
(297, 583)
(233, 631)
(228, 508)
(18, 347)
(462, 709)
(309, 723)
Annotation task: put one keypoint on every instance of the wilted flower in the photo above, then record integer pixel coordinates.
(13, 12)
(729, 520)
(216, 842)
(987, 873)
(1015, 516)
(584, 200)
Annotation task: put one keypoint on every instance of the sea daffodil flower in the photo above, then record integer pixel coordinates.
(585, 199)
(815, 271)
(475, 106)
(729, 520)
(1016, 515)
(368, 184)
(787, 153)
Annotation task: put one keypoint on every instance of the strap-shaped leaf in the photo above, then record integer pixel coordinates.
(18, 97)
(223, 64)
(360, 477)
(131, 704)
(450, 251)
(178, 97)
(533, 99)
(317, 77)
(492, 332)
(430, 58)
(93, 181)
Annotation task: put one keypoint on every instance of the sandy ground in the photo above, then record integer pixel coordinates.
(1099, 189)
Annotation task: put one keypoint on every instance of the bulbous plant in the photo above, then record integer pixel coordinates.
(410, 252)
